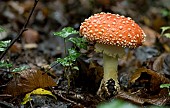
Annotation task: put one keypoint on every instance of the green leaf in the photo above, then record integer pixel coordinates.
(73, 54)
(79, 42)
(167, 35)
(165, 12)
(20, 68)
(65, 32)
(4, 44)
(64, 61)
(2, 49)
(165, 86)
(164, 29)
(2, 29)
(4, 64)
(75, 68)
(70, 59)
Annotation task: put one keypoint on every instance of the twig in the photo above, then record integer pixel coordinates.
(6, 104)
(21, 31)
(60, 94)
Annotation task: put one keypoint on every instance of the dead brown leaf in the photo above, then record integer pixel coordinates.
(16, 48)
(151, 36)
(145, 84)
(31, 36)
(158, 63)
(27, 5)
(90, 75)
(129, 97)
(142, 101)
(27, 81)
(97, 69)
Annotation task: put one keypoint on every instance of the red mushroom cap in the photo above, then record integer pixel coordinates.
(112, 29)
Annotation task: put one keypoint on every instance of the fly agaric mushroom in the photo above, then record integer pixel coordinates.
(111, 33)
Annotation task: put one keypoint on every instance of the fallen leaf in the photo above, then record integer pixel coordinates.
(27, 81)
(27, 5)
(16, 48)
(161, 64)
(158, 22)
(38, 91)
(145, 84)
(142, 101)
(31, 36)
(129, 97)
(90, 75)
(151, 36)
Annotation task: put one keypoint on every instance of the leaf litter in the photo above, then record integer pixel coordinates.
(141, 71)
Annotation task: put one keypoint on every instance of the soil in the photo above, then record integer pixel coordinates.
(141, 70)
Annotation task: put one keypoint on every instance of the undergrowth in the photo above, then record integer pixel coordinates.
(71, 54)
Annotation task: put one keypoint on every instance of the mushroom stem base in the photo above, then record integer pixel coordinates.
(109, 84)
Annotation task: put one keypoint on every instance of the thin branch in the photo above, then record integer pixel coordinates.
(60, 94)
(21, 31)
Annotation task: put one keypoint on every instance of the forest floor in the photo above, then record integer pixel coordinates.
(141, 70)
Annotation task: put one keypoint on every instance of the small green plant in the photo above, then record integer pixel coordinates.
(163, 31)
(5, 64)
(64, 33)
(165, 12)
(2, 29)
(21, 68)
(79, 42)
(4, 44)
(69, 61)
(165, 86)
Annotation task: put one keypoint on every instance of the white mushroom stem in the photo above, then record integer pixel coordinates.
(111, 53)
(110, 65)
